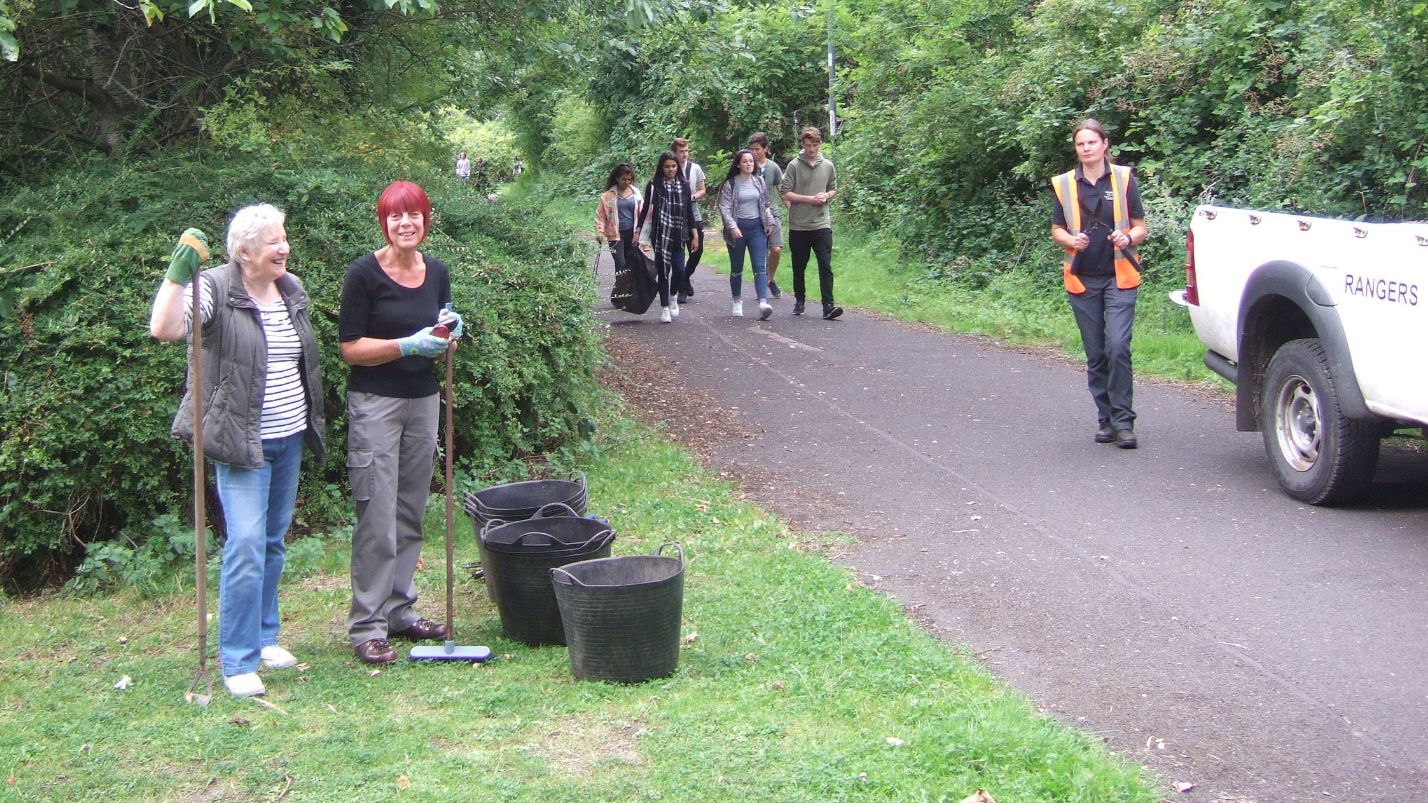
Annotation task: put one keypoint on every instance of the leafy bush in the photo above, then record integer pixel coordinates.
(88, 396)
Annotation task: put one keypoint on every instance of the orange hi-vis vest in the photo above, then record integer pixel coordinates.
(1127, 276)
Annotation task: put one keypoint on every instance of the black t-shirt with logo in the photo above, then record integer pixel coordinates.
(1098, 218)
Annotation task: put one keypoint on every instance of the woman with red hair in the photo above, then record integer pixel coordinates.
(392, 301)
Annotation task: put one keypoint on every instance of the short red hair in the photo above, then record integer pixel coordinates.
(403, 196)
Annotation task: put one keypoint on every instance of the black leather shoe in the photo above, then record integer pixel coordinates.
(421, 630)
(1125, 439)
(798, 308)
(376, 651)
(1105, 434)
(831, 311)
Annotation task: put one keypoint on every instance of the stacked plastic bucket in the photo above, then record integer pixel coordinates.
(549, 571)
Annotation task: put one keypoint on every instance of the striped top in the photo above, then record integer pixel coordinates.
(284, 401)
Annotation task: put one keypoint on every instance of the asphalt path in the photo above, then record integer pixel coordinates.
(1169, 600)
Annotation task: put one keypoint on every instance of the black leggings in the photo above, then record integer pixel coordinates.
(621, 249)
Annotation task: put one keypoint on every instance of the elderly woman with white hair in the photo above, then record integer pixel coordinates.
(260, 359)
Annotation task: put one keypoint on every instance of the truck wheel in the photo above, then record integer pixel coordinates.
(1320, 456)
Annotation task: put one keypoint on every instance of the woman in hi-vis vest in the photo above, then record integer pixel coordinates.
(1097, 218)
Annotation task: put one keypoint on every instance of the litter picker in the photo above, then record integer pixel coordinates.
(449, 651)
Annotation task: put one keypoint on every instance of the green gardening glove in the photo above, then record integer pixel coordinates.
(189, 254)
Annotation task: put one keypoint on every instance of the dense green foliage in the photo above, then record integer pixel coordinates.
(89, 396)
(957, 112)
(78, 76)
(1315, 107)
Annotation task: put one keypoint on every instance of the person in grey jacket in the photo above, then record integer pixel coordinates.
(260, 359)
(748, 221)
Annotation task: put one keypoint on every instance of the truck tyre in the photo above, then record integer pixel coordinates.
(1319, 455)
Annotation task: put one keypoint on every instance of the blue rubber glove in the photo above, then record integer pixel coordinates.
(188, 255)
(452, 320)
(422, 344)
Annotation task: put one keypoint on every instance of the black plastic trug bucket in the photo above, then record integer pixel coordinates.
(622, 615)
(520, 500)
(554, 528)
(518, 580)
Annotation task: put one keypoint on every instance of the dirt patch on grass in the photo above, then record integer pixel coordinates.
(642, 377)
(576, 745)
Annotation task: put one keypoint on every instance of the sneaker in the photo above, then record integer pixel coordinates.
(774, 291)
(798, 308)
(664, 315)
(738, 309)
(831, 311)
(247, 684)
(683, 296)
(673, 308)
(275, 657)
(764, 310)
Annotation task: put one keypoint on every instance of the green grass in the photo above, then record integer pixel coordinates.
(791, 682)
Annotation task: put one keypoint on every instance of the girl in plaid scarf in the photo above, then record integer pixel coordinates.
(666, 227)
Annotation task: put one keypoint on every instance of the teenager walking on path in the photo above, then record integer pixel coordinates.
(615, 215)
(260, 356)
(772, 175)
(744, 207)
(667, 226)
(1097, 217)
(391, 300)
(693, 176)
(463, 166)
(809, 183)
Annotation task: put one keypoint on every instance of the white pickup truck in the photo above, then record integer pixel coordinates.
(1319, 324)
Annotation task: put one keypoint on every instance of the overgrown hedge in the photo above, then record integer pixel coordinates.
(957, 112)
(88, 397)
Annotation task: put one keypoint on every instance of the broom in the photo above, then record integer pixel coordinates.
(449, 651)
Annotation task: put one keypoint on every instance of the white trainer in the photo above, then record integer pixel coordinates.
(738, 308)
(674, 308)
(245, 685)
(275, 657)
(664, 315)
(764, 310)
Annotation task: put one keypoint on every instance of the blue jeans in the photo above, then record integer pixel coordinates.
(757, 244)
(1105, 314)
(257, 509)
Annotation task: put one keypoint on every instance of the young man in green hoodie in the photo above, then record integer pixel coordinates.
(809, 183)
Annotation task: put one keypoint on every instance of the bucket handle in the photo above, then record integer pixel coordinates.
(556, 541)
(569, 577)
(518, 539)
(491, 524)
(660, 552)
(605, 534)
(561, 507)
